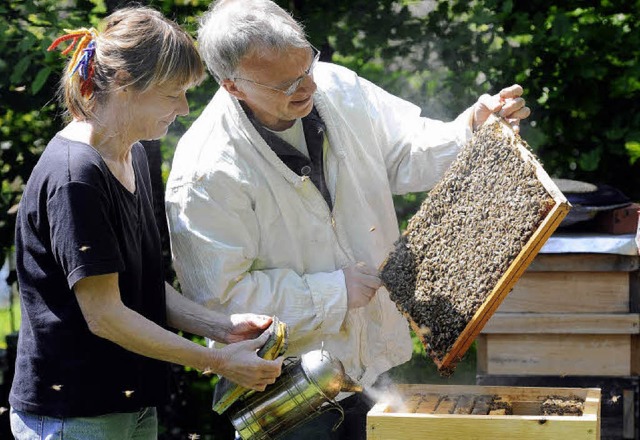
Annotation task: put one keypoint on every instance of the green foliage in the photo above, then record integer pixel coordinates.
(633, 150)
(578, 63)
(9, 319)
(421, 369)
(29, 116)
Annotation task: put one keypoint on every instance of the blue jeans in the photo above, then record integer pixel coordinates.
(141, 425)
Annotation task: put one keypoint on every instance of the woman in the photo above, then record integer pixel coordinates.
(93, 342)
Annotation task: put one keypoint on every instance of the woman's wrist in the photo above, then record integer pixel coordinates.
(214, 362)
(219, 327)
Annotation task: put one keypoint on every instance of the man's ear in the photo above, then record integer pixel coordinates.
(230, 86)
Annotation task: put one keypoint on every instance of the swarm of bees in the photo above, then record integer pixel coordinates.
(466, 234)
(562, 406)
(486, 404)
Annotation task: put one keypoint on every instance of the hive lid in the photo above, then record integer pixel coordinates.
(471, 240)
(574, 186)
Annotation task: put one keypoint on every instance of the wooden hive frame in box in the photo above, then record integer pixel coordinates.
(472, 412)
(549, 216)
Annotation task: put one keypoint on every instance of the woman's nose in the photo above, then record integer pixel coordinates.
(183, 106)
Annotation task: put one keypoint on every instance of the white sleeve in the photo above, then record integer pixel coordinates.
(638, 237)
(417, 150)
(214, 240)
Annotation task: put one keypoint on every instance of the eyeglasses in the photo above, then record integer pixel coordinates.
(291, 88)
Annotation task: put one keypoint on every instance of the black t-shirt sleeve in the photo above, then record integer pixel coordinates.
(83, 241)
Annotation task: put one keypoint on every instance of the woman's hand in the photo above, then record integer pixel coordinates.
(240, 364)
(508, 103)
(246, 326)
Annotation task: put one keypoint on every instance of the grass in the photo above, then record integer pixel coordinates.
(421, 369)
(9, 321)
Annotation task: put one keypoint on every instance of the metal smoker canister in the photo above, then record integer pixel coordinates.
(305, 389)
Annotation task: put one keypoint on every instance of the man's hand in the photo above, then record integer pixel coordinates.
(508, 103)
(362, 283)
(240, 364)
(246, 326)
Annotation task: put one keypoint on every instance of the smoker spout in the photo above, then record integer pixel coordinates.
(350, 385)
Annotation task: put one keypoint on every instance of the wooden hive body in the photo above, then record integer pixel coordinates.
(472, 238)
(472, 412)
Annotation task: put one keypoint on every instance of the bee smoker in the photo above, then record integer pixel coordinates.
(306, 388)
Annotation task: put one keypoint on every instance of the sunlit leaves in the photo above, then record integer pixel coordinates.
(29, 116)
(633, 150)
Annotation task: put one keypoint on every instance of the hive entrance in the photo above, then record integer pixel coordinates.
(471, 239)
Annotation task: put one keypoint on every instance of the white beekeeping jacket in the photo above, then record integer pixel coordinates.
(250, 235)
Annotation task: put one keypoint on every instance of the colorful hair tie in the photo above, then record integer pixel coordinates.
(82, 62)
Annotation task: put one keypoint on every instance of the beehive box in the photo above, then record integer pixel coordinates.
(472, 238)
(569, 314)
(619, 401)
(474, 412)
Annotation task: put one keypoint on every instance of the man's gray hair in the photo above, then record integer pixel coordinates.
(231, 29)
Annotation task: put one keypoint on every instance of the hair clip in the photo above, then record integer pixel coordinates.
(82, 61)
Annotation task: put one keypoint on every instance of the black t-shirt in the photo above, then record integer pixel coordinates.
(77, 220)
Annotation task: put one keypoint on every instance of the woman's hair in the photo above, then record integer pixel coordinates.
(138, 47)
(231, 29)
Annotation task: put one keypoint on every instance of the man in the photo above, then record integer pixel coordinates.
(280, 195)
